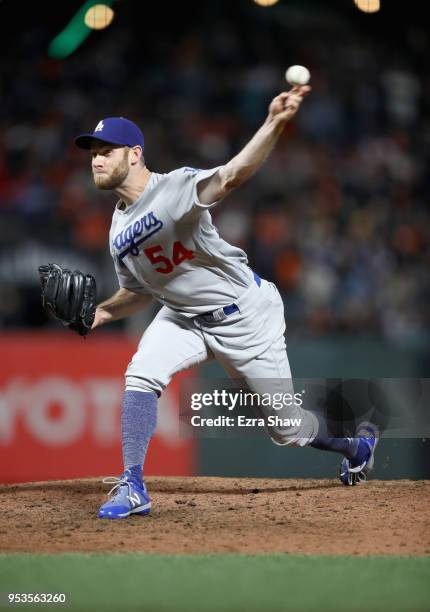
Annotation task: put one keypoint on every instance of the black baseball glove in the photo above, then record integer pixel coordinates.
(69, 296)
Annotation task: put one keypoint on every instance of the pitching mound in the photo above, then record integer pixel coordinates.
(204, 515)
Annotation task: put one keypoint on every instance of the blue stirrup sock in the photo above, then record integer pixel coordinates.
(138, 423)
(355, 449)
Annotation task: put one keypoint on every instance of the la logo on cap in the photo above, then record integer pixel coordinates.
(99, 127)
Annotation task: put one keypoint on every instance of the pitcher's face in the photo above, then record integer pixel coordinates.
(110, 165)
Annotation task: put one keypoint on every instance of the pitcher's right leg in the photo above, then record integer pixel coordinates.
(169, 345)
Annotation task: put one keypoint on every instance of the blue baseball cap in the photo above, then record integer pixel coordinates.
(114, 130)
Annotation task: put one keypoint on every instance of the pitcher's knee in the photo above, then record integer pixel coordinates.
(291, 441)
(142, 379)
(295, 431)
(285, 436)
(144, 383)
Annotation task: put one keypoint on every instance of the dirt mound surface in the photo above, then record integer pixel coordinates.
(214, 515)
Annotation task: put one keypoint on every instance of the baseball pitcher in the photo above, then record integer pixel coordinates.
(165, 247)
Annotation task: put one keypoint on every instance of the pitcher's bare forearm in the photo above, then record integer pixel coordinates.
(249, 160)
(122, 304)
(239, 169)
(281, 110)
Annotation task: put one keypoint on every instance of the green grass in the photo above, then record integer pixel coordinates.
(221, 582)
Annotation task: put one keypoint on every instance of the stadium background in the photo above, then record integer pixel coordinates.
(338, 217)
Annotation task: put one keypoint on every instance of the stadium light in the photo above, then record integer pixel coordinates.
(368, 6)
(76, 31)
(99, 16)
(266, 2)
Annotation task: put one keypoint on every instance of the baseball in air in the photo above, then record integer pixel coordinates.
(297, 75)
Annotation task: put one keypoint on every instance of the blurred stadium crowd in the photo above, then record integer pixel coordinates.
(339, 215)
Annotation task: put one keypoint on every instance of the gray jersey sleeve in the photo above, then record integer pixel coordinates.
(186, 205)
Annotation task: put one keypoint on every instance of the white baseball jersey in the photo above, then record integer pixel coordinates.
(165, 244)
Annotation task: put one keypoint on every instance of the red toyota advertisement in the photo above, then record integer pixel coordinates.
(60, 402)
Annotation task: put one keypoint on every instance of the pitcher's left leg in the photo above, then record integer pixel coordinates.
(306, 427)
(252, 345)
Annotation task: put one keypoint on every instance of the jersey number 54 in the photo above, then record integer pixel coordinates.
(180, 254)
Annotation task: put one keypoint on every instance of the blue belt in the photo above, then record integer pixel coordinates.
(231, 308)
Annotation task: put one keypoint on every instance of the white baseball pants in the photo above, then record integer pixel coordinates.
(249, 344)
